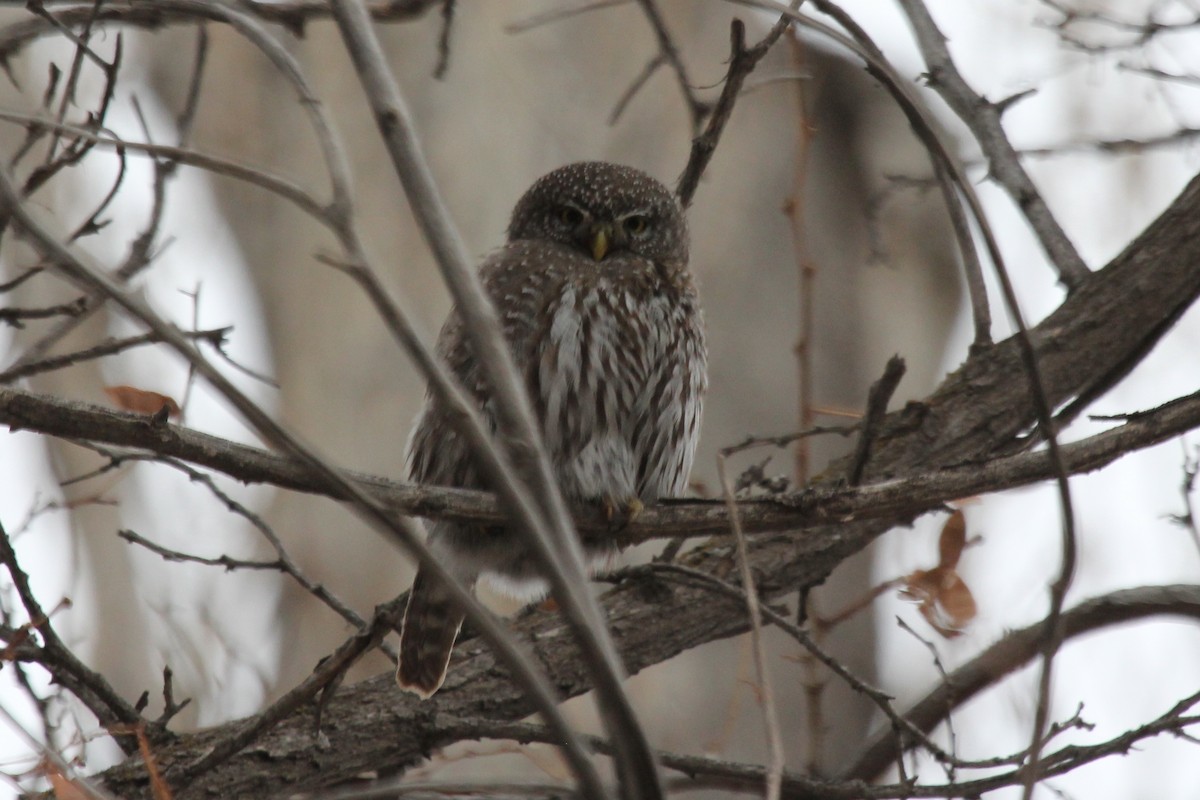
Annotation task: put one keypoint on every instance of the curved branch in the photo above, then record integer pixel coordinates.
(1016, 650)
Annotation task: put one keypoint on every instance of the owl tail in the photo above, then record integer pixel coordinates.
(431, 624)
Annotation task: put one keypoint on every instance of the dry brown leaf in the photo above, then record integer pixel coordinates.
(944, 599)
(142, 401)
(957, 600)
(952, 541)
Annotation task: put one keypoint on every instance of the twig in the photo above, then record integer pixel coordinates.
(17, 281)
(1181, 136)
(941, 670)
(877, 401)
(794, 209)
(228, 563)
(1191, 467)
(893, 499)
(984, 120)
(555, 544)
(668, 52)
(557, 14)
(213, 336)
(981, 314)
(16, 317)
(766, 693)
(742, 62)
(623, 101)
(92, 689)
(443, 62)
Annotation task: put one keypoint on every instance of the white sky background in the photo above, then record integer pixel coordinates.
(1121, 676)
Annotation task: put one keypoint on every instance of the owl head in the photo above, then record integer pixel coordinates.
(603, 210)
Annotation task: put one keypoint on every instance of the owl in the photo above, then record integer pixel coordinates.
(604, 323)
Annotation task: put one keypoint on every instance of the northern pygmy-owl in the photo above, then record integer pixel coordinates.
(603, 321)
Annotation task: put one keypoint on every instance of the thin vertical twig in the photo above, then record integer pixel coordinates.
(669, 53)
(811, 678)
(981, 313)
(765, 691)
(794, 209)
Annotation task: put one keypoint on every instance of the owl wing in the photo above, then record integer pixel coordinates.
(519, 280)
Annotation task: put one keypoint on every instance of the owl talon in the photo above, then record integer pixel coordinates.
(620, 513)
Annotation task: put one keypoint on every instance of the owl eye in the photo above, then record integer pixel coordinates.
(569, 215)
(635, 225)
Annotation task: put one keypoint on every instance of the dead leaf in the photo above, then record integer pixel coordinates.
(943, 598)
(952, 541)
(142, 401)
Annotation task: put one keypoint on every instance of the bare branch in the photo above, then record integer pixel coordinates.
(1014, 651)
(984, 120)
(555, 544)
(669, 53)
(742, 62)
(112, 711)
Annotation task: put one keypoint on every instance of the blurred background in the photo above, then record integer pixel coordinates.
(817, 169)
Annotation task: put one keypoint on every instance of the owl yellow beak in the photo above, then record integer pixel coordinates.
(601, 235)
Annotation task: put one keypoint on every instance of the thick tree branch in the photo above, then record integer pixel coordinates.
(893, 498)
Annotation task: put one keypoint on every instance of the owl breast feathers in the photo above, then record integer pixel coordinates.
(604, 323)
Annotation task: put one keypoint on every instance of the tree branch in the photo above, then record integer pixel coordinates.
(978, 410)
(984, 120)
(1015, 650)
